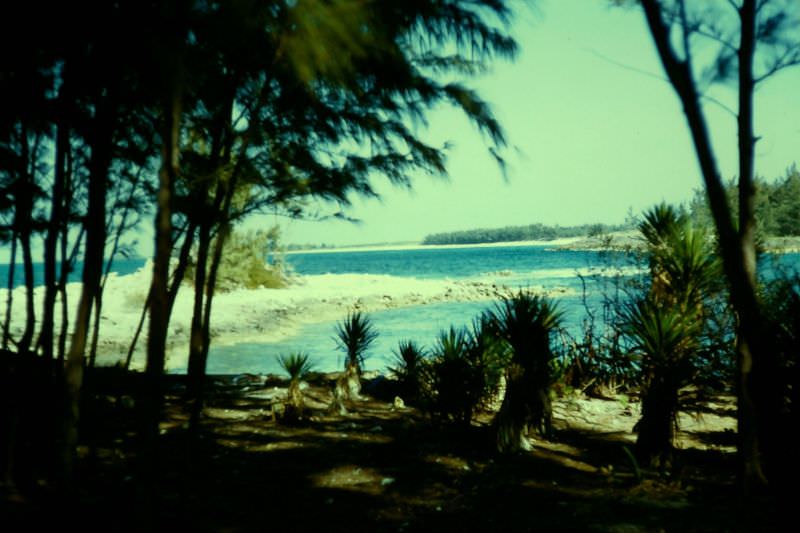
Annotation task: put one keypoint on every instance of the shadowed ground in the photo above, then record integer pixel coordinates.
(380, 468)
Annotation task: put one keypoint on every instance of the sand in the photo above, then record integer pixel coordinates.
(257, 315)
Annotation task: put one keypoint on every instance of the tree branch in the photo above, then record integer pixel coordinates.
(789, 58)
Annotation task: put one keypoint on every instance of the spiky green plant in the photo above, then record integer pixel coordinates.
(665, 338)
(659, 222)
(489, 353)
(525, 322)
(298, 365)
(449, 377)
(672, 328)
(355, 334)
(409, 363)
(462, 374)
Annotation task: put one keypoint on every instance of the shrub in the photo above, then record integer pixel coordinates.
(525, 323)
(409, 369)
(672, 328)
(464, 373)
(665, 338)
(250, 260)
(298, 365)
(354, 335)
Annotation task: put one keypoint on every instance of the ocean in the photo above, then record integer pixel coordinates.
(585, 276)
(535, 267)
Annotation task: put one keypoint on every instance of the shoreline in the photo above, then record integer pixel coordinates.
(257, 315)
(616, 240)
(389, 247)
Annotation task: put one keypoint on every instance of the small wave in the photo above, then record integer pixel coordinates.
(562, 273)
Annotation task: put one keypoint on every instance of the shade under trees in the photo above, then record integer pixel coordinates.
(199, 114)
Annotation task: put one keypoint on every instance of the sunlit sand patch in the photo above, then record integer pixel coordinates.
(279, 446)
(352, 477)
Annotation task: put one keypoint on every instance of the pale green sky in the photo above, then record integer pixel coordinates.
(590, 138)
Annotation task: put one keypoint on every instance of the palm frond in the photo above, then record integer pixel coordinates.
(298, 365)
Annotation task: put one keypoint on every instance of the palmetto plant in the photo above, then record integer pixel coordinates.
(683, 265)
(670, 328)
(298, 365)
(525, 322)
(450, 378)
(409, 369)
(464, 372)
(355, 334)
(666, 339)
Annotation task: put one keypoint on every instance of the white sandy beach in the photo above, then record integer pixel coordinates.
(258, 315)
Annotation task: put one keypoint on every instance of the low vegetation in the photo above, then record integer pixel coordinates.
(250, 260)
(297, 365)
(354, 336)
(777, 205)
(530, 232)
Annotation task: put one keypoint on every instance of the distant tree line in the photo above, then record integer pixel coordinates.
(519, 233)
(777, 205)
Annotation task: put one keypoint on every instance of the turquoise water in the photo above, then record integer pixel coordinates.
(515, 266)
(120, 266)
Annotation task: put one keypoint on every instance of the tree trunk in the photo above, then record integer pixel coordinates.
(510, 424)
(23, 220)
(152, 395)
(177, 279)
(196, 368)
(222, 234)
(92, 271)
(206, 278)
(109, 263)
(736, 256)
(26, 340)
(67, 262)
(46, 334)
(656, 427)
(749, 443)
(12, 265)
(135, 340)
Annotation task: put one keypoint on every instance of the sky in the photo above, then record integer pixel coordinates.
(594, 131)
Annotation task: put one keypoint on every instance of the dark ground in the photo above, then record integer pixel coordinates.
(378, 469)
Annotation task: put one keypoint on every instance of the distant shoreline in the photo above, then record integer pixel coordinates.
(617, 240)
(562, 242)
